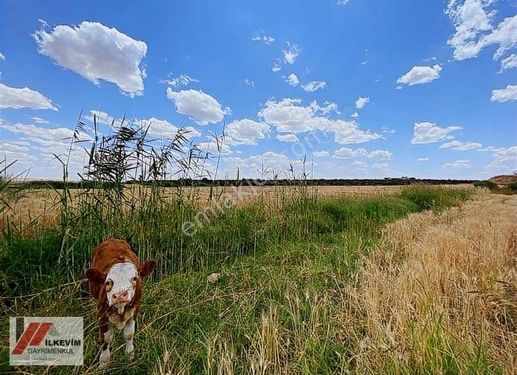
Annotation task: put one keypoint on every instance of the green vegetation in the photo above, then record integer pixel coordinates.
(281, 268)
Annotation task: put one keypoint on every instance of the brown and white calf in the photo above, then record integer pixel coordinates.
(115, 281)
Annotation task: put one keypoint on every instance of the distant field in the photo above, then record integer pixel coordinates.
(313, 281)
(43, 205)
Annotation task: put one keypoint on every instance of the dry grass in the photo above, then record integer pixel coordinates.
(439, 295)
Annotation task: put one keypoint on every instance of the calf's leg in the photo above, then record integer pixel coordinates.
(129, 333)
(107, 339)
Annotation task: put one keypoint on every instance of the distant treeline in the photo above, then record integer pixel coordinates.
(42, 184)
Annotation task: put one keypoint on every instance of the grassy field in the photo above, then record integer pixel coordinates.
(371, 283)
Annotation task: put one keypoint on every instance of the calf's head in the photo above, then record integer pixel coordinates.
(120, 282)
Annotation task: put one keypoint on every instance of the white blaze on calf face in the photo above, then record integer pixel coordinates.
(121, 278)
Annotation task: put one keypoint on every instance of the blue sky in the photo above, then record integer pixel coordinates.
(362, 88)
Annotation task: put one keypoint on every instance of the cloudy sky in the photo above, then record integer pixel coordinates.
(363, 88)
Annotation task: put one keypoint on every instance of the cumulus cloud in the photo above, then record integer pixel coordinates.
(355, 114)
(276, 67)
(291, 53)
(423, 159)
(342, 2)
(267, 39)
(461, 146)
(290, 137)
(201, 107)
(509, 93)
(2, 57)
(428, 132)
(420, 74)
(292, 80)
(314, 86)
(214, 148)
(51, 141)
(289, 116)
(361, 102)
(249, 82)
(15, 98)
(96, 52)
(163, 129)
(458, 164)
(474, 30)
(247, 131)
(181, 80)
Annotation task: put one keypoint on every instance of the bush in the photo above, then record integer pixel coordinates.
(486, 184)
(512, 186)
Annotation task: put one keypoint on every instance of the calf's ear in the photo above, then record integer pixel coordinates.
(95, 276)
(147, 268)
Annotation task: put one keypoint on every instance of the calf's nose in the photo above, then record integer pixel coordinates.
(121, 296)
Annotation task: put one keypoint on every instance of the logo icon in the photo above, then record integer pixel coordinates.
(46, 341)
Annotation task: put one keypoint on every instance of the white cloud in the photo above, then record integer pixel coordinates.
(292, 80)
(509, 63)
(474, 30)
(163, 129)
(326, 108)
(348, 153)
(101, 117)
(428, 132)
(505, 35)
(423, 159)
(458, 164)
(276, 67)
(420, 74)
(342, 2)
(96, 52)
(361, 102)
(201, 107)
(51, 141)
(380, 154)
(213, 148)
(291, 53)
(461, 146)
(2, 57)
(39, 120)
(289, 116)
(11, 97)
(267, 39)
(249, 82)
(247, 131)
(290, 137)
(314, 86)
(321, 154)
(509, 93)
(355, 114)
(348, 132)
(504, 159)
(181, 80)
(44, 134)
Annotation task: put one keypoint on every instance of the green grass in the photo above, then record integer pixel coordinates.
(278, 300)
